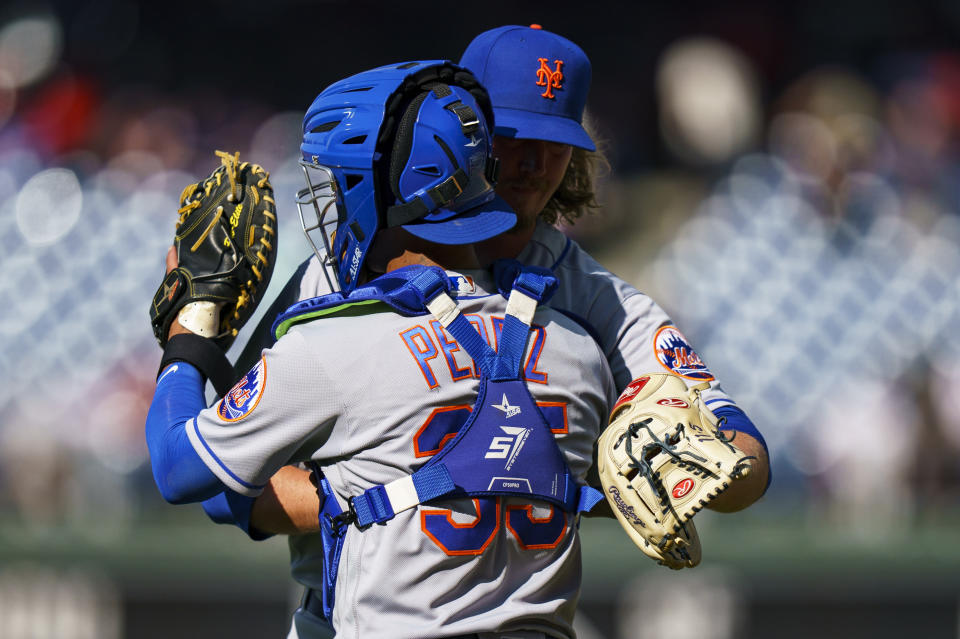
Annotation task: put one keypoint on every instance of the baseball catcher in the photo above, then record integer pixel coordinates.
(225, 244)
(661, 460)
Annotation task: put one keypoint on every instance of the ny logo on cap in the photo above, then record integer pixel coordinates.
(550, 78)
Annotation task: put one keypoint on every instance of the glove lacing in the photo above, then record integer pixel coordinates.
(232, 168)
(642, 465)
(724, 438)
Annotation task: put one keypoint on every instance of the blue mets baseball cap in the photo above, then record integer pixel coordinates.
(538, 83)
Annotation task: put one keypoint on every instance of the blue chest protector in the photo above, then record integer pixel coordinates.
(504, 448)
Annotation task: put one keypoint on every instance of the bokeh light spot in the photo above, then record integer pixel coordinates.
(48, 206)
(30, 47)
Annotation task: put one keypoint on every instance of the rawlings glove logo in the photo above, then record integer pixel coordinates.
(631, 391)
(625, 508)
(682, 488)
(674, 402)
(170, 292)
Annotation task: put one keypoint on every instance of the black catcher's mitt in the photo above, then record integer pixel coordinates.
(226, 247)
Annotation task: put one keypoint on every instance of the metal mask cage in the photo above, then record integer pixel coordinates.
(319, 216)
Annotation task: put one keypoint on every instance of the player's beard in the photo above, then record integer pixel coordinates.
(527, 198)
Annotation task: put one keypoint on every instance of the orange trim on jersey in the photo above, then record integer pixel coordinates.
(443, 442)
(448, 513)
(537, 331)
(448, 354)
(537, 520)
(563, 407)
(424, 360)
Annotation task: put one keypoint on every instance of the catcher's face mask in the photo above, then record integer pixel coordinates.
(319, 216)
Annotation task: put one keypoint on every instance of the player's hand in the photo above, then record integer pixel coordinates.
(176, 328)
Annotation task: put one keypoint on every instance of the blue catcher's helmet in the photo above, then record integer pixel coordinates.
(402, 145)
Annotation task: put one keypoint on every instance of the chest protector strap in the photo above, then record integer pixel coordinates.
(504, 438)
(505, 447)
(401, 291)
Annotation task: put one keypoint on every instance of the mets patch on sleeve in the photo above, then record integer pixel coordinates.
(677, 356)
(243, 397)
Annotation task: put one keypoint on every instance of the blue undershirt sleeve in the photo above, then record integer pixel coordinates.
(178, 471)
(233, 508)
(737, 420)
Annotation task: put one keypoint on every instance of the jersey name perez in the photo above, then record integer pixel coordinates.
(440, 358)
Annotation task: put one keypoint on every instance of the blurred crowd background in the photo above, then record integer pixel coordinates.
(785, 181)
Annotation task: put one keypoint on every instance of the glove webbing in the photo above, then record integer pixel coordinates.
(232, 166)
(653, 479)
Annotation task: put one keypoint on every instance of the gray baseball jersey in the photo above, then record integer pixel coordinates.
(635, 334)
(369, 397)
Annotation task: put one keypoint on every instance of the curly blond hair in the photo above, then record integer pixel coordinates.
(576, 194)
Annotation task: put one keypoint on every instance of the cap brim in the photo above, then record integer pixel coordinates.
(516, 123)
(465, 227)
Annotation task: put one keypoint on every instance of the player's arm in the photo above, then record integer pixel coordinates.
(229, 507)
(257, 429)
(743, 492)
(747, 439)
(289, 505)
(180, 474)
(630, 336)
